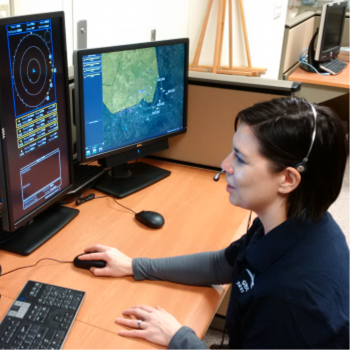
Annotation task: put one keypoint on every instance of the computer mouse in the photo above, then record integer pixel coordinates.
(87, 264)
(150, 219)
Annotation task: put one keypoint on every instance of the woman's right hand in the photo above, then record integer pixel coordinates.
(117, 263)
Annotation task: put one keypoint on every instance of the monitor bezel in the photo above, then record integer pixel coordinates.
(79, 97)
(8, 223)
(320, 54)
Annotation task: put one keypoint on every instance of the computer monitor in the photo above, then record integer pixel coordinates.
(328, 36)
(36, 156)
(129, 101)
(330, 31)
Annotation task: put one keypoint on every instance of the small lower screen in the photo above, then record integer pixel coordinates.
(131, 96)
(33, 101)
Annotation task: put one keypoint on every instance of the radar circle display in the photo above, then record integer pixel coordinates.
(32, 70)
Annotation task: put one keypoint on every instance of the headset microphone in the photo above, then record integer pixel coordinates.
(217, 176)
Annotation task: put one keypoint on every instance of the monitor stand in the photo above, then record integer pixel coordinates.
(28, 238)
(125, 179)
(311, 56)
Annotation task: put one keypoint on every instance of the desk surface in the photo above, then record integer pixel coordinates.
(198, 217)
(341, 80)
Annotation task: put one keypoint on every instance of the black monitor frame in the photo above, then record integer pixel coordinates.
(8, 223)
(322, 55)
(79, 98)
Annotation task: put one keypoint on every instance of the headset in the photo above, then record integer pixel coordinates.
(301, 167)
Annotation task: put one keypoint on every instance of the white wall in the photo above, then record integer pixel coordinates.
(27, 7)
(265, 33)
(4, 8)
(116, 22)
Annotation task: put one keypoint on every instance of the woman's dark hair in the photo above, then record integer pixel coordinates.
(284, 129)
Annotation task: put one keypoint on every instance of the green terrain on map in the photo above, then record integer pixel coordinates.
(128, 77)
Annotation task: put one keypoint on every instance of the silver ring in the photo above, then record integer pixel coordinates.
(139, 323)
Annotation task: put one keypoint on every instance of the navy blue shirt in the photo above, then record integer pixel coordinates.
(290, 287)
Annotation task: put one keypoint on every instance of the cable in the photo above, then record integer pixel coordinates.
(82, 200)
(249, 221)
(303, 60)
(102, 197)
(123, 205)
(25, 267)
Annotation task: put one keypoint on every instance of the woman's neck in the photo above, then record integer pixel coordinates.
(273, 216)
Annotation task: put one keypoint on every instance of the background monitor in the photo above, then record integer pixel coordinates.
(129, 101)
(330, 31)
(36, 155)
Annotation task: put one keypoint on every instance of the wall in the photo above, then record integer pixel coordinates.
(265, 33)
(4, 8)
(115, 22)
(26, 7)
(112, 22)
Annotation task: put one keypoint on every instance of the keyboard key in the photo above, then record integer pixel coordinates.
(14, 347)
(25, 347)
(60, 335)
(25, 328)
(5, 340)
(64, 325)
(34, 346)
(35, 329)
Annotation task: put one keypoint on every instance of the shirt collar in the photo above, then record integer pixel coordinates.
(272, 246)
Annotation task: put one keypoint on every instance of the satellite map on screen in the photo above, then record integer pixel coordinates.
(142, 93)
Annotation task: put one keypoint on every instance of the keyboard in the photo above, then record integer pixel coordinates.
(333, 66)
(40, 317)
(84, 174)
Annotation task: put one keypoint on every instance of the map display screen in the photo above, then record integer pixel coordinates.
(132, 96)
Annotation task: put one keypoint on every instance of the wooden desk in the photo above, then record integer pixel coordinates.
(320, 88)
(339, 81)
(198, 217)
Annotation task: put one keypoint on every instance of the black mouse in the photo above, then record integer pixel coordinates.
(87, 264)
(150, 219)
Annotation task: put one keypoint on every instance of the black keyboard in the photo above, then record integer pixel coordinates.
(84, 174)
(40, 318)
(333, 66)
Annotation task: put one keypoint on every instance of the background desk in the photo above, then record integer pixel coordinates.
(198, 217)
(330, 91)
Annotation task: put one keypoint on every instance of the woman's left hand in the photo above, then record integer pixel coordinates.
(152, 324)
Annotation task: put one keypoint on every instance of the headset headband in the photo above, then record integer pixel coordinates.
(302, 166)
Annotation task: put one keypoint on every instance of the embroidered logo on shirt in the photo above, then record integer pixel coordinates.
(252, 276)
(243, 286)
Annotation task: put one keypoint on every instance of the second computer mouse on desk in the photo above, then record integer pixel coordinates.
(87, 264)
(150, 219)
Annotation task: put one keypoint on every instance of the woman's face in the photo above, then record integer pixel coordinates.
(251, 183)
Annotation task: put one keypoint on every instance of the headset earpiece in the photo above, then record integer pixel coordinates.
(300, 167)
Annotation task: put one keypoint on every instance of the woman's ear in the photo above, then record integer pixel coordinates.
(290, 180)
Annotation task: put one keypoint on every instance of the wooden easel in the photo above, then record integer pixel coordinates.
(216, 67)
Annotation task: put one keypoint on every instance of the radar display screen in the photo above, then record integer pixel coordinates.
(33, 83)
(34, 112)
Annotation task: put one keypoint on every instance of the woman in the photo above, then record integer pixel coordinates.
(290, 271)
